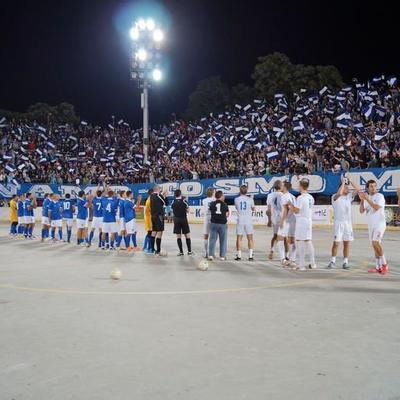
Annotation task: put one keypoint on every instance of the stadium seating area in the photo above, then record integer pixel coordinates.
(357, 127)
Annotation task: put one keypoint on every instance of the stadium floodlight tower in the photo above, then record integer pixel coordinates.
(147, 38)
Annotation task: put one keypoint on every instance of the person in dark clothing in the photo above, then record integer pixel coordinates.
(219, 218)
(157, 203)
(180, 209)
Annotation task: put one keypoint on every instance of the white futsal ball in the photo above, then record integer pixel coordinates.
(163, 253)
(115, 274)
(203, 265)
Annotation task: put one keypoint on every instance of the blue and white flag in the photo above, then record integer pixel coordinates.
(240, 145)
(272, 155)
(84, 123)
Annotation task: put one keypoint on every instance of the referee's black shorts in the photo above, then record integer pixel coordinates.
(157, 223)
(181, 226)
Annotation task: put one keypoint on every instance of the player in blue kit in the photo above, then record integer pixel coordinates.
(68, 215)
(29, 217)
(130, 206)
(45, 216)
(121, 212)
(110, 207)
(55, 216)
(83, 202)
(20, 214)
(97, 221)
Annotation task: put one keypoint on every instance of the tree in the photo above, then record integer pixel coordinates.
(210, 95)
(242, 94)
(275, 73)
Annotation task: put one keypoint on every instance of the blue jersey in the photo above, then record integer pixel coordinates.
(129, 209)
(110, 206)
(55, 208)
(82, 210)
(67, 209)
(28, 211)
(97, 207)
(121, 207)
(45, 207)
(20, 208)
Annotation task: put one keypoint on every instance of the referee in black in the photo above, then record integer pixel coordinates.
(157, 204)
(180, 209)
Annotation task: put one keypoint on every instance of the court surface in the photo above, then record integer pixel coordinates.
(242, 330)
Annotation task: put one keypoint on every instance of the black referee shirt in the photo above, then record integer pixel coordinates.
(179, 208)
(157, 204)
(218, 212)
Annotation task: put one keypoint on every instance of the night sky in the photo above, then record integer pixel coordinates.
(78, 51)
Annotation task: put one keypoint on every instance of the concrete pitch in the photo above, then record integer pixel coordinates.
(166, 331)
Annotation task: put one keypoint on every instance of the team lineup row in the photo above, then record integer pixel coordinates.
(290, 217)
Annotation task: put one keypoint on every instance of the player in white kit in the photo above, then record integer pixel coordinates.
(303, 231)
(207, 217)
(245, 207)
(373, 203)
(287, 227)
(274, 213)
(342, 224)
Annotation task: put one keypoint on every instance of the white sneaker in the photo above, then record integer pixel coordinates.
(222, 258)
(312, 266)
(284, 263)
(210, 258)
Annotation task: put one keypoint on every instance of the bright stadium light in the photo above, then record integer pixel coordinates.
(150, 24)
(147, 41)
(141, 54)
(158, 35)
(134, 33)
(157, 74)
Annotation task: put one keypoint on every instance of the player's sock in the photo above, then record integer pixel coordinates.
(382, 260)
(239, 253)
(179, 241)
(310, 251)
(43, 233)
(206, 246)
(345, 260)
(377, 262)
(152, 242)
(100, 240)
(189, 244)
(107, 240)
(146, 242)
(158, 244)
(91, 234)
(118, 240)
(301, 250)
(53, 233)
(281, 249)
(60, 234)
(134, 241)
(292, 252)
(112, 243)
(46, 232)
(69, 233)
(333, 259)
(251, 253)
(127, 240)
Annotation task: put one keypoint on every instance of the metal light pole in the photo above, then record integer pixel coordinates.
(147, 39)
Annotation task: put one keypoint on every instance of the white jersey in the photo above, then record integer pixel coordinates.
(274, 200)
(206, 208)
(375, 217)
(244, 205)
(305, 203)
(285, 199)
(342, 207)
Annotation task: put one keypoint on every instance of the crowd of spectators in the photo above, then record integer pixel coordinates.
(356, 127)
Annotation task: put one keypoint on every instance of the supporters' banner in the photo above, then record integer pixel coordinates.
(259, 186)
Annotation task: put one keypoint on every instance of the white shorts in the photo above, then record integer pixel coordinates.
(21, 220)
(109, 227)
(342, 231)
(45, 220)
(244, 228)
(289, 229)
(56, 223)
(122, 224)
(28, 219)
(303, 229)
(97, 222)
(81, 223)
(68, 222)
(131, 226)
(376, 232)
(206, 227)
